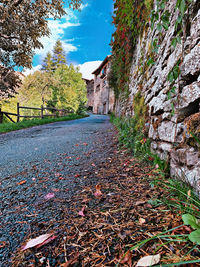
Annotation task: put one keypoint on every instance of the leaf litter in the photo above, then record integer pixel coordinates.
(119, 215)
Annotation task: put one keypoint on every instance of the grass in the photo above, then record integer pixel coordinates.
(8, 126)
(179, 197)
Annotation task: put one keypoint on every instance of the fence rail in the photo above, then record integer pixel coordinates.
(57, 112)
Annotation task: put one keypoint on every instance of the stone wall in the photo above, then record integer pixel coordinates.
(174, 136)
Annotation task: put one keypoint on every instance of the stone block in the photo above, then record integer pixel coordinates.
(189, 94)
(167, 131)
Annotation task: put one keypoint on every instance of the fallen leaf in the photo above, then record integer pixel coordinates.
(85, 144)
(127, 258)
(55, 189)
(38, 241)
(81, 212)
(142, 221)
(47, 241)
(148, 261)
(22, 182)
(3, 244)
(72, 261)
(49, 196)
(98, 192)
(140, 202)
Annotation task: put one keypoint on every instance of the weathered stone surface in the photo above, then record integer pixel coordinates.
(189, 94)
(165, 146)
(184, 173)
(167, 131)
(167, 127)
(192, 158)
(191, 63)
(195, 29)
(153, 133)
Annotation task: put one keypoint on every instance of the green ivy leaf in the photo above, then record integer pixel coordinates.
(170, 77)
(150, 62)
(189, 219)
(174, 42)
(173, 109)
(178, 2)
(179, 19)
(162, 5)
(173, 90)
(182, 7)
(195, 237)
(176, 72)
(159, 27)
(178, 39)
(165, 26)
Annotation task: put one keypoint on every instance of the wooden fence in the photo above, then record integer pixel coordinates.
(43, 114)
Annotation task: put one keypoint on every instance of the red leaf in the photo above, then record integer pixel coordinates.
(81, 212)
(49, 196)
(39, 241)
(85, 144)
(22, 182)
(98, 192)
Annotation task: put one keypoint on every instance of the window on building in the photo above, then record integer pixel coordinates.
(104, 83)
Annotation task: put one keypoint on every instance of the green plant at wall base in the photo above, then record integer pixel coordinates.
(192, 221)
(140, 110)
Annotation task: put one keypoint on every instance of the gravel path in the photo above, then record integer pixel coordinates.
(42, 162)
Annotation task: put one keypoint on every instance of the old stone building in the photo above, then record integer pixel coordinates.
(90, 93)
(103, 96)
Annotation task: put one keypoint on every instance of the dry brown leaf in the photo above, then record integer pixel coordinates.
(127, 258)
(148, 261)
(22, 182)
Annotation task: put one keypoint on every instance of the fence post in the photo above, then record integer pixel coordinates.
(1, 116)
(18, 115)
(42, 112)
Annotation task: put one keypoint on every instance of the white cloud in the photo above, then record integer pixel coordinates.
(88, 67)
(57, 29)
(83, 6)
(31, 71)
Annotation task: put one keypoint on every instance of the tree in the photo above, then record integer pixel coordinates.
(36, 89)
(69, 90)
(22, 24)
(47, 63)
(59, 57)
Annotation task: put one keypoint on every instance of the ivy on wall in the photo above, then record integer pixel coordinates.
(129, 19)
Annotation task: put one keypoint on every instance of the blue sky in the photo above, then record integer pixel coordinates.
(85, 36)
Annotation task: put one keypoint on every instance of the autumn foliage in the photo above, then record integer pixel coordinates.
(129, 20)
